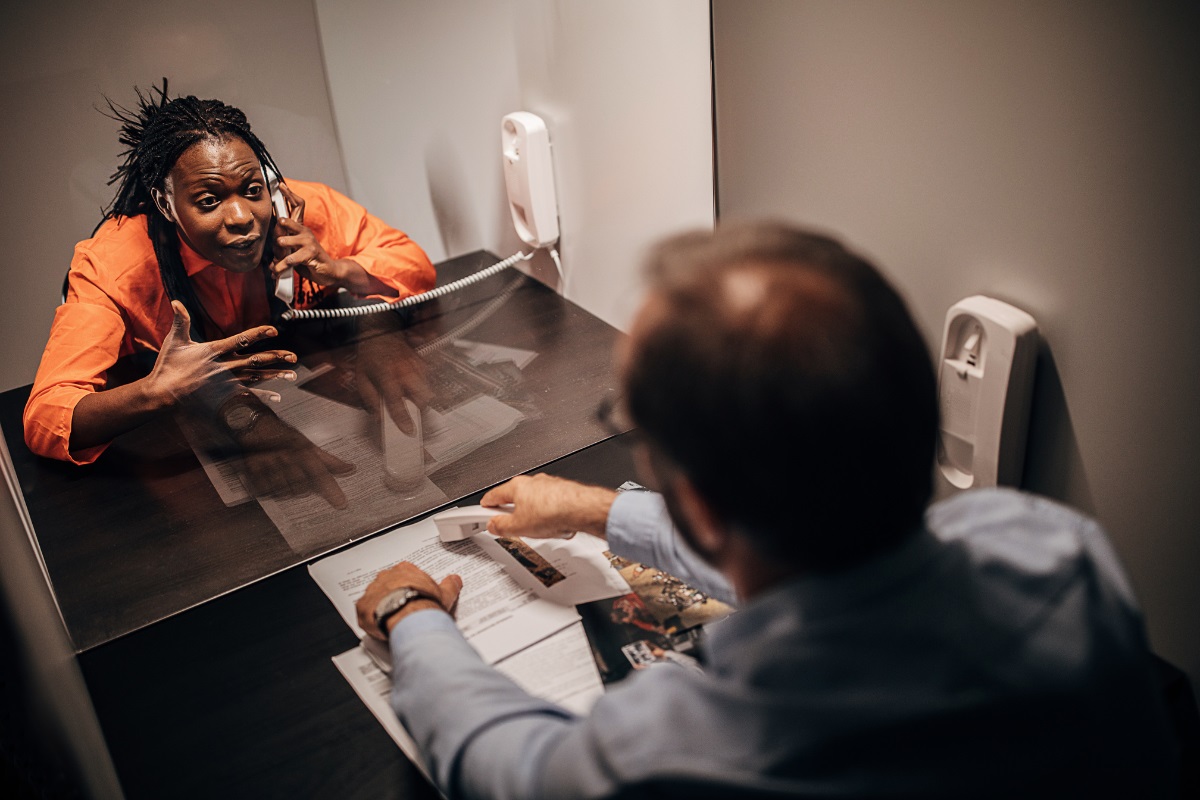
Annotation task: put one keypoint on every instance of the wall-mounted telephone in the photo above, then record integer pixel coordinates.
(529, 178)
(285, 284)
(985, 384)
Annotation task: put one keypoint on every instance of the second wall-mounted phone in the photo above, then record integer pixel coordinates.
(985, 384)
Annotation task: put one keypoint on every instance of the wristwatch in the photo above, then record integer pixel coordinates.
(394, 601)
(241, 418)
(241, 412)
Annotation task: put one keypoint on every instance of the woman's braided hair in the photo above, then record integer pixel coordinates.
(156, 133)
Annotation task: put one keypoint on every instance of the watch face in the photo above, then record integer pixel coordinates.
(241, 418)
(392, 603)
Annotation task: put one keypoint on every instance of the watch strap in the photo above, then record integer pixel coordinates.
(393, 602)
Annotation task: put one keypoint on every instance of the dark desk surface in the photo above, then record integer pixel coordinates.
(239, 697)
(142, 534)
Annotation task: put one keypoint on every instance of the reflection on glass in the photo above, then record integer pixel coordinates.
(403, 450)
(361, 436)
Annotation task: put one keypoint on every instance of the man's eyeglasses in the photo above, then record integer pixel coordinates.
(613, 415)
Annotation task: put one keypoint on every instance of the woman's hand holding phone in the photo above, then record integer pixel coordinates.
(297, 248)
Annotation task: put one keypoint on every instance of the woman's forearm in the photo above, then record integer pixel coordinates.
(356, 280)
(102, 416)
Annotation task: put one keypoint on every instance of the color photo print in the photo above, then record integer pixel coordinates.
(661, 620)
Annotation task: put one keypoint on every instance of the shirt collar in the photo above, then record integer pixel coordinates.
(193, 262)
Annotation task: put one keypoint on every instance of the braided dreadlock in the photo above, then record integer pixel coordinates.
(156, 133)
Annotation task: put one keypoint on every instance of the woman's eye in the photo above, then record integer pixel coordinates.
(254, 190)
(207, 202)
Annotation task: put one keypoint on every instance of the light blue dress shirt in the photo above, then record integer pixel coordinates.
(997, 653)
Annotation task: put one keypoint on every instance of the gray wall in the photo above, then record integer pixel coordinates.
(1042, 153)
(624, 86)
(57, 62)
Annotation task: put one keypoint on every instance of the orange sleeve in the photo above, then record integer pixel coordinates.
(347, 230)
(85, 341)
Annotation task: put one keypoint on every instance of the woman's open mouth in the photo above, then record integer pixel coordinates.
(243, 255)
(244, 244)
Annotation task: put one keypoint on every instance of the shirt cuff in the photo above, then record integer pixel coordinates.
(632, 520)
(639, 528)
(418, 624)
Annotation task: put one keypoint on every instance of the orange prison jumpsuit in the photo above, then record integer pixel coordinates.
(116, 304)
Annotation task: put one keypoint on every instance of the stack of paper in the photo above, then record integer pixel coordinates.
(517, 609)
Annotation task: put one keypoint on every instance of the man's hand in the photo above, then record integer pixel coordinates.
(401, 576)
(183, 366)
(545, 507)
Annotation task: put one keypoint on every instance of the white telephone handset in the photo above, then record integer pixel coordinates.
(285, 284)
(532, 200)
(529, 177)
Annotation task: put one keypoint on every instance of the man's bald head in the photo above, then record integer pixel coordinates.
(786, 379)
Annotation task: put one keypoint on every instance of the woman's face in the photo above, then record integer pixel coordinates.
(216, 196)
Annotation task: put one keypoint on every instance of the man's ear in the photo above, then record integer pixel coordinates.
(710, 534)
(162, 204)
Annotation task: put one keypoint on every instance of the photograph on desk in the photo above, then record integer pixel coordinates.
(660, 620)
(532, 561)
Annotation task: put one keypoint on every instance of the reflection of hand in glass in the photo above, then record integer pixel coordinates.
(389, 371)
(278, 460)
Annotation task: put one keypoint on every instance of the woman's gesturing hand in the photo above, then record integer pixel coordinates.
(183, 366)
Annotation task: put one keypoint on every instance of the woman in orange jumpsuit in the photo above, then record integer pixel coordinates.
(183, 267)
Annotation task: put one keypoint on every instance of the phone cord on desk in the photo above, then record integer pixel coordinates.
(396, 305)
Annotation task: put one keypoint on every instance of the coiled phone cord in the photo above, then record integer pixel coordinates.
(407, 302)
(477, 319)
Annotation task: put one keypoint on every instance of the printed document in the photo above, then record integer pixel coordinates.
(559, 669)
(496, 614)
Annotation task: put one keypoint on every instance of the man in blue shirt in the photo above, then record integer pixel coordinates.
(785, 408)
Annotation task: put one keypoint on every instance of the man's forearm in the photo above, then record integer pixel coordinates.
(431, 663)
(591, 513)
(640, 529)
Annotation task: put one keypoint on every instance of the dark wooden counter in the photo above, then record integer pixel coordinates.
(142, 534)
(205, 644)
(239, 697)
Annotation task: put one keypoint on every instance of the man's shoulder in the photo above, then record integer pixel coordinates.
(1038, 567)
(981, 515)
(1006, 534)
